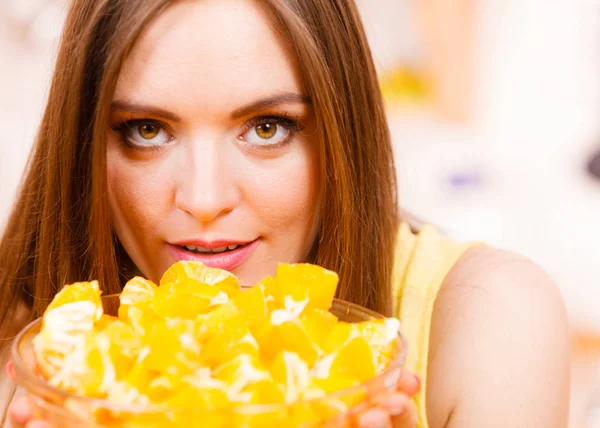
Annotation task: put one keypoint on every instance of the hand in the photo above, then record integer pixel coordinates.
(393, 410)
(20, 412)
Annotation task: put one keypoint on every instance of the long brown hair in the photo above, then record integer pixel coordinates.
(60, 232)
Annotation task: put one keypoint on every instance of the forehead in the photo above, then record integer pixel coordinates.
(208, 54)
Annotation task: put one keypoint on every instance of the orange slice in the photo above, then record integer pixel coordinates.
(252, 305)
(239, 372)
(318, 325)
(137, 293)
(287, 335)
(67, 322)
(186, 299)
(354, 361)
(298, 282)
(381, 335)
(290, 371)
(186, 271)
(171, 348)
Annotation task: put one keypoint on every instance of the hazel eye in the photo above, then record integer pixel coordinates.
(266, 131)
(145, 133)
(270, 131)
(266, 134)
(148, 131)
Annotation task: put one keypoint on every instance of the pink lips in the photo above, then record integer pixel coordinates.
(227, 260)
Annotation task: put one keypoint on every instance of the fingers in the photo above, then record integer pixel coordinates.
(409, 383)
(400, 409)
(407, 419)
(20, 411)
(394, 404)
(374, 418)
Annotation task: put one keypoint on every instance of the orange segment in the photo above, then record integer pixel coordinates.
(185, 271)
(67, 322)
(224, 347)
(354, 361)
(381, 335)
(138, 292)
(265, 391)
(290, 371)
(287, 336)
(241, 371)
(171, 348)
(186, 299)
(334, 384)
(252, 305)
(318, 325)
(224, 334)
(300, 281)
(339, 335)
(76, 293)
(200, 393)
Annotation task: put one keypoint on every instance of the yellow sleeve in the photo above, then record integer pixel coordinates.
(422, 263)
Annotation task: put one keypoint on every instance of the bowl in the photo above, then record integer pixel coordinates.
(63, 409)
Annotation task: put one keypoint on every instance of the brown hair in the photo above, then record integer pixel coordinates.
(60, 232)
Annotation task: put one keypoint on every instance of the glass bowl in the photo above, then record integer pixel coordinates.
(63, 409)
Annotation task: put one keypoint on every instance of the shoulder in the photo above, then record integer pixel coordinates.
(499, 349)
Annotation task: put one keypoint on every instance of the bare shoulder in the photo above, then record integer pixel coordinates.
(499, 346)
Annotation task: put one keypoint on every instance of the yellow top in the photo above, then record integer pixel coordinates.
(422, 262)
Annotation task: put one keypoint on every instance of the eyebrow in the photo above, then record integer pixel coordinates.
(142, 109)
(275, 100)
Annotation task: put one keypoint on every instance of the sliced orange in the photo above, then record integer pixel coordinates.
(200, 393)
(354, 361)
(339, 335)
(142, 320)
(331, 384)
(290, 371)
(138, 292)
(300, 281)
(317, 413)
(265, 391)
(202, 348)
(185, 271)
(125, 345)
(224, 318)
(226, 346)
(289, 336)
(252, 305)
(239, 372)
(382, 336)
(77, 293)
(318, 325)
(67, 322)
(186, 299)
(103, 322)
(171, 348)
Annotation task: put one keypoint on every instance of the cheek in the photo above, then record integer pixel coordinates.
(287, 195)
(133, 195)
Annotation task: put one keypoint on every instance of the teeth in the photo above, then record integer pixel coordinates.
(209, 251)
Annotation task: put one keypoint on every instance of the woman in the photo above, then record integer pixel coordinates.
(243, 133)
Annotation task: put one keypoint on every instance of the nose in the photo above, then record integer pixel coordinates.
(207, 188)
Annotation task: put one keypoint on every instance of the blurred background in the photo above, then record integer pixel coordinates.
(494, 107)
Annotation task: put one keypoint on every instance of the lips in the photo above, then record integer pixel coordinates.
(226, 255)
(206, 250)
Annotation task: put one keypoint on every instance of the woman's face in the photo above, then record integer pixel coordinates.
(212, 151)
